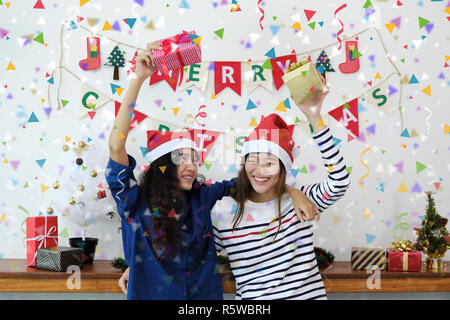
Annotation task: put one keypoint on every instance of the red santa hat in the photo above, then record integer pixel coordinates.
(161, 142)
(274, 136)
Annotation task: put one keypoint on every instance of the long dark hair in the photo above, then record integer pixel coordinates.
(160, 188)
(244, 190)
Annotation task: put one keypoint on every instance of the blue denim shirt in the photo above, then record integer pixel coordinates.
(194, 272)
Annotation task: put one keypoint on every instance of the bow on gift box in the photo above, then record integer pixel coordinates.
(167, 48)
(403, 245)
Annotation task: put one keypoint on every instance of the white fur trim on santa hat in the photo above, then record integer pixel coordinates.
(269, 147)
(167, 147)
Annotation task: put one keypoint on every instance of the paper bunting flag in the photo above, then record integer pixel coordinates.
(137, 117)
(90, 100)
(172, 81)
(348, 115)
(380, 99)
(255, 75)
(194, 75)
(227, 74)
(204, 139)
(279, 66)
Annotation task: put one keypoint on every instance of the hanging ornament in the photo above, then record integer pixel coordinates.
(93, 173)
(352, 55)
(81, 188)
(56, 185)
(101, 194)
(92, 61)
(323, 63)
(65, 148)
(82, 147)
(49, 210)
(72, 201)
(81, 204)
(116, 60)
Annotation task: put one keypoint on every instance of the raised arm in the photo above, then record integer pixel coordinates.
(145, 67)
(337, 182)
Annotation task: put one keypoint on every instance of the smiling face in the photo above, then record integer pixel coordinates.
(263, 171)
(186, 160)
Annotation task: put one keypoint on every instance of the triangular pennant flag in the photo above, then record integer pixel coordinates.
(309, 14)
(390, 27)
(219, 33)
(251, 105)
(423, 22)
(130, 22)
(420, 167)
(347, 114)
(280, 107)
(10, 67)
(90, 100)
(107, 26)
(33, 118)
(427, 90)
(41, 162)
(39, 38)
(38, 5)
(402, 188)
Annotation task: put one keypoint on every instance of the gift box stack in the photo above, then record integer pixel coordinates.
(178, 51)
(303, 81)
(402, 256)
(42, 232)
(42, 246)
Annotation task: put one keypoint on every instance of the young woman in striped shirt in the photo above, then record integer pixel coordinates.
(271, 252)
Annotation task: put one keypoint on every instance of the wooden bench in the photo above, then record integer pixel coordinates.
(101, 277)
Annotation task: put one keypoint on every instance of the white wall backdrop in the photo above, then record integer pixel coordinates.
(374, 211)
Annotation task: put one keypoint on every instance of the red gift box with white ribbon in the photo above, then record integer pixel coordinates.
(42, 232)
(178, 51)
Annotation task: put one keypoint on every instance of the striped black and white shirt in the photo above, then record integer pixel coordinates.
(284, 267)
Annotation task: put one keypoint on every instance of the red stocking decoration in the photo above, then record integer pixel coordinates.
(92, 61)
(351, 65)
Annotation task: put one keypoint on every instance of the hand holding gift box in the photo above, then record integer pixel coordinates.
(304, 81)
(178, 51)
(42, 232)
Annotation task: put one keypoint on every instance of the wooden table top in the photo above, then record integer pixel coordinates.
(102, 269)
(102, 277)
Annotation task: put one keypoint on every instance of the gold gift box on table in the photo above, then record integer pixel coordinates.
(303, 81)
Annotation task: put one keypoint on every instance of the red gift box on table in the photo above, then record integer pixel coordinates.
(178, 51)
(42, 232)
(404, 260)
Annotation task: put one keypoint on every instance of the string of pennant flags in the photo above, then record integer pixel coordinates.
(265, 73)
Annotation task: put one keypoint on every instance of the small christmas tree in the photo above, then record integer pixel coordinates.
(116, 60)
(433, 238)
(323, 63)
(81, 192)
